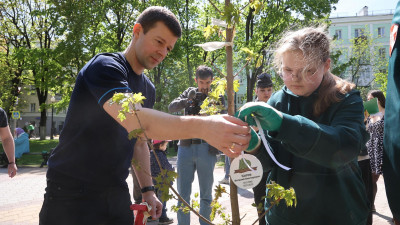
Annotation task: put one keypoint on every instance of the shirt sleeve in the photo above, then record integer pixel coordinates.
(3, 118)
(106, 76)
(180, 102)
(331, 145)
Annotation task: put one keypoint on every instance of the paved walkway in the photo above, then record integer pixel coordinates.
(21, 198)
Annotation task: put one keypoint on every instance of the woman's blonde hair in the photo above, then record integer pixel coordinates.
(314, 44)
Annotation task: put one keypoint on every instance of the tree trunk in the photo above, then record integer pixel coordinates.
(42, 97)
(231, 111)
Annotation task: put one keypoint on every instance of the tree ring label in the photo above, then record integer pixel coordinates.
(246, 171)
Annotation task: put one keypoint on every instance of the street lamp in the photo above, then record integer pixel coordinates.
(52, 99)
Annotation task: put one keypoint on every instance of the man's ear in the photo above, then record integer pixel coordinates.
(195, 80)
(136, 29)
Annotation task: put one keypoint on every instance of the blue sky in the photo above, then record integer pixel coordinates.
(351, 7)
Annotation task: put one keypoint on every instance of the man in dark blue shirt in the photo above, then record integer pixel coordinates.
(87, 170)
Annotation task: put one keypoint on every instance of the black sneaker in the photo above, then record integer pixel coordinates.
(165, 220)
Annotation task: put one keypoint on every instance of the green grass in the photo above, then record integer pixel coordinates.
(35, 146)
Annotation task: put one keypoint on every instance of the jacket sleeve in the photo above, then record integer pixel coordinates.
(332, 145)
(180, 102)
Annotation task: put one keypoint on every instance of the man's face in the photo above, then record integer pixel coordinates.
(151, 48)
(263, 94)
(204, 85)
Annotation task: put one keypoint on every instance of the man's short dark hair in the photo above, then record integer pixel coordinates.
(150, 16)
(203, 72)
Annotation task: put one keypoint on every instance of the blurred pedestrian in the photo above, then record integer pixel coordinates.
(8, 144)
(375, 124)
(264, 90)
(160, 148)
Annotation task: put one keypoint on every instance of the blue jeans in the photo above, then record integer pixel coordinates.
(227, 166)
(192, 158)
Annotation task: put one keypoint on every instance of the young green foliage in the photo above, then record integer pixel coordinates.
(212, 105)
(163, 181)
(277, 193)
(128, 102)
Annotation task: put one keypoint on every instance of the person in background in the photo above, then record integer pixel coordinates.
(315, 126)
(227, 168)
(8, 144)
(21, 142)
(160, 148)
(30, 129)
(195, 154)
(264, 89)
(375, 127)
(366, 173)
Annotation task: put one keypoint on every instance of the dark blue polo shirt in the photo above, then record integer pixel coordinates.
(93, 147)
(3, 118)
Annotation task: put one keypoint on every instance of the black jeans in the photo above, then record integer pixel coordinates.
(72, 202)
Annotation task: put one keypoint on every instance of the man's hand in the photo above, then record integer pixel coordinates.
(156, 206)
(270, 118)
(227, 133)
(12, 170)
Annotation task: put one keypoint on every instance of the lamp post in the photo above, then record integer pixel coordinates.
(52, 99)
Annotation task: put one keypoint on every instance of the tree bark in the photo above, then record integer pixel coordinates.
(231, 111)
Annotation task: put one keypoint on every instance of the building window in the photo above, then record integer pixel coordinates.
(358, 32)
(33, 107)
(338, 34)
(382, 52)
(381, 31)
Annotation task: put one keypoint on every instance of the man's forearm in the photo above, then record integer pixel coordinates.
(159, 125)
(177, 105)
(141, 155)
(9, 149)
(219, 131)
(8, 143)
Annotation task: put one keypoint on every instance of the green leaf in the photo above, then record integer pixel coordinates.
(135, 133)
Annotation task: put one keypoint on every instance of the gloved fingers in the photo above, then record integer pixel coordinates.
(255, 141)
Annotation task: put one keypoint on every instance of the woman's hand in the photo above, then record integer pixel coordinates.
(270, 118)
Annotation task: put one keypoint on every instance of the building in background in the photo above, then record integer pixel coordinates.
(30, 112)
(346, 28)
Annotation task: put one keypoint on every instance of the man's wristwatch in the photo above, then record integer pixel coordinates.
(148, 188)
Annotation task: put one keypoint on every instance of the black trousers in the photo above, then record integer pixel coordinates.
(365, 167)
(259, 193)
(71, 202)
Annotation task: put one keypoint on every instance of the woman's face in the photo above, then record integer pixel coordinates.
(301, 82)
(369, 97)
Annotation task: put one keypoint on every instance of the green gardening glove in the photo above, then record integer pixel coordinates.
(270, 118)
(255, 141)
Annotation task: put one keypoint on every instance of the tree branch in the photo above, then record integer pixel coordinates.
(214, 6)
(242, 68)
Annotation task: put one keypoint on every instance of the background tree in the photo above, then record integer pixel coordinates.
(265, 24)
(364, 57)
(30, 28)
